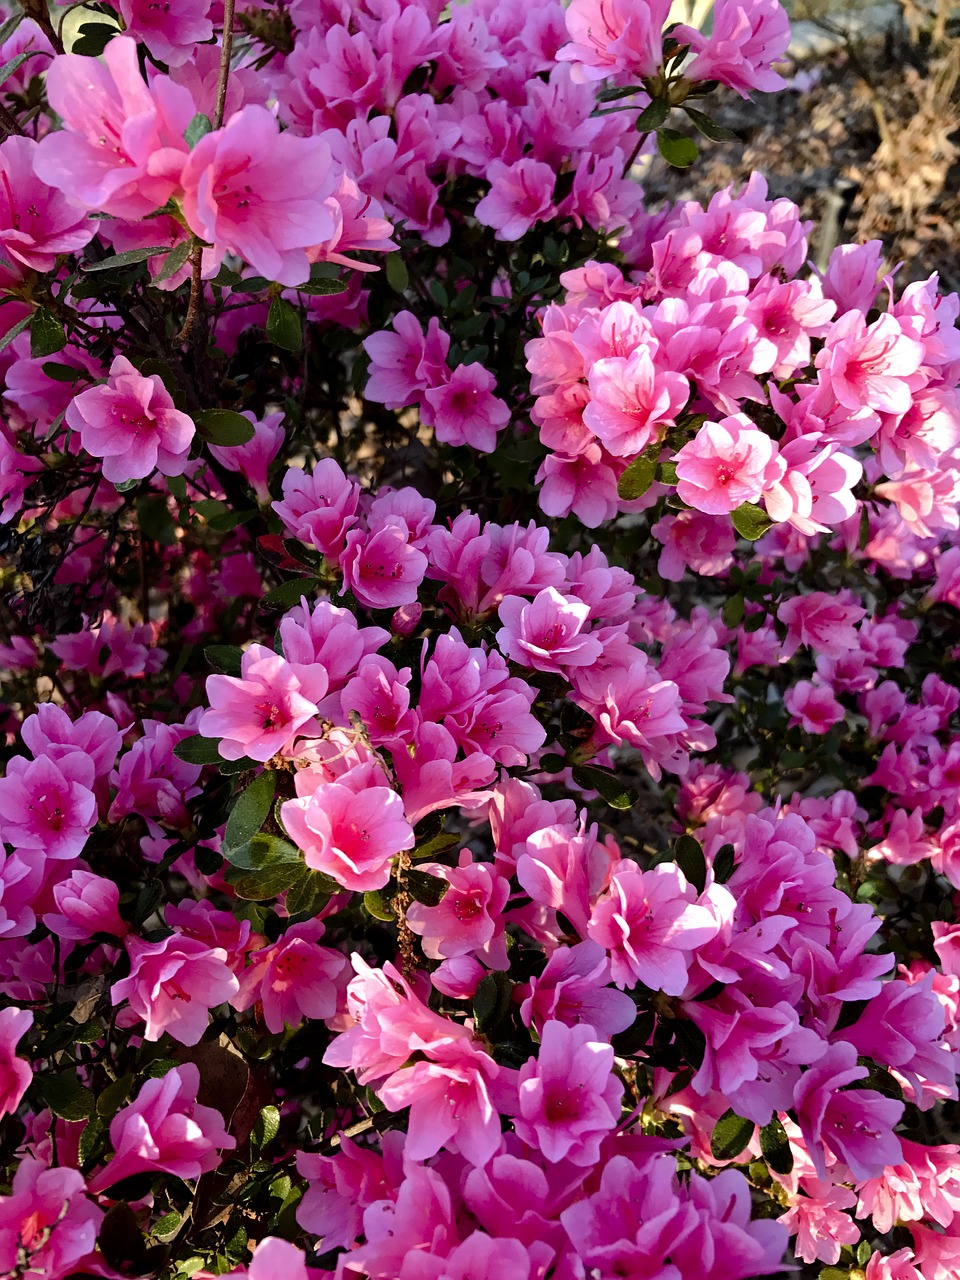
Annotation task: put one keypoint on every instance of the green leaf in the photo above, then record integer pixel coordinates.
(638, 477)
(10, 68)
(491, 1003)
(66, 1097)
(689, 858)
(262, 850)
(733, 610)
(57, 372)
(197, 750)
(709, 128)
(47, 334)
(289, 593)
(863, 536)
(284, 325)
(265, 1127)
(251, 810)
(112, 1098)
(15, 331)
(775, 1147)
(611, 789)
(93, 38)
(751, 521)
(652, 116)
(198, 128)
(879, 1079)
(398, 277)
(317, 289)
(174, 260)
(834, 1273)
(375, 904)
(155, 520)
(310, 893)
(158, 1068)
(676, 148)
(263, 886)
(730, 1136)
(864, 1250)
(93, 1142)
(127, 259)
(224, 658)
(426, 888)
(724, 863)
(252, 284)
(166, 1225)
(224, 427)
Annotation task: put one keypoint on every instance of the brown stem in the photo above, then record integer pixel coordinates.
(196, 288)
(9, 123)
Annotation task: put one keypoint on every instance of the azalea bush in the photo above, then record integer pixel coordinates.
(482, 775)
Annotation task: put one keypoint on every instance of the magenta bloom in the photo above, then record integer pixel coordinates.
(320, 506)
(468, 919)
(383, 569)
(122, 149)
(254, 191)
(856, 1125)
(15, 1073)
(48, 807)
(813, 706)
(650, 925)
(165, 1130)
(569, 1095)
(547, 633)
(86, 904)
(520, 195)
(132, 424)
(261, 712)
(406, 363)
(350, 835)
(573, 989)
(747, 38)
(294, 979)
(632, 401)
(607, 36)
(726, 464)
(464, 409)
(253, 459)
(172, 30)
(173, 984)
(37, 222)
(48, 1226)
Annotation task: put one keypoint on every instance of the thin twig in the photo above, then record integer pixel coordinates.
(9, 123)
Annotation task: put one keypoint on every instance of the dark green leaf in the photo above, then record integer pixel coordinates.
(47, 334)
(252, 284)
(15, 331)
(158, 1068)
(553, 763)
(265, 1127)
(224, 427)
(249, 813)
(110, 1099)
(93, 38)
(243, 765)
(398, 277)
(10, 68)
(879, 1079)
(436, 845)
(751, 521)
(155, 519)
(492, 1000)
(775, 1147)
(260, 851)
(691, 1042)
(864, 534)
(850, 1012)
(66, 1097)
(426, 888)
(284, 325)
(224, 658)
(197, 750)
(317, 289)
(57, 372)
(637, 478)
(730, 1136)
(709, 128)
(262, 886)
(724, 863)
(375, 904)
(676, 148)
(310, 894)
(652, 116)
(198, 128)
(93, 1142)
(733, 610)
(689, 858)
(127, 259)
(289, 593)
(611, 789)
(174, 260)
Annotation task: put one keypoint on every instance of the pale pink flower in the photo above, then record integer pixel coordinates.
(405, 363)
(349, 835)
(892, 1266)
(469, 917)
(277, 1259)
(875, 366)
(694, 540)
(48, 807)
(48, 1226)
(165, 1130)
(464, 410)
(747, 37)
(15, 1073)
(293, 979)
(253, 459)
(261, 712)
(383, 569)
(817, 1220)
(822, 621)
(86, 905)
(610, 36)
(569, 1095)
(132, 424)
(37, 222)
(173, 984)
(813, 706)
(726, 464)
(585, 485)
(520, 195)
(252, 190)
(632, 402)
(319, 507)
(548, 633)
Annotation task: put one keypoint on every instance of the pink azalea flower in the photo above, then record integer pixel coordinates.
(254, 191)
(747, 38)
(822, 621)
(349, 835)
(876, 366)
(469, 917)
(813, 706)
(132, 424)
(610, 36)
(293, 979)
(86, 904)
(464, 410)
(548, 632)
(573, 989)
(520, 195)
(261, 712)
(319, 507)
(632, 402)
(165, 1130)
(855, 1125)
(569, 1095)
(276, 1259)
(892, 1266)
(173, 984)
(48, 1226)
(383, 569)
(650, 925)
(817, 1219)
(726, 464)
(48, 807)
(253, 459)
(15, 1073)
(172, 30)
(406, 363)
(122, 149)
(37, 222)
